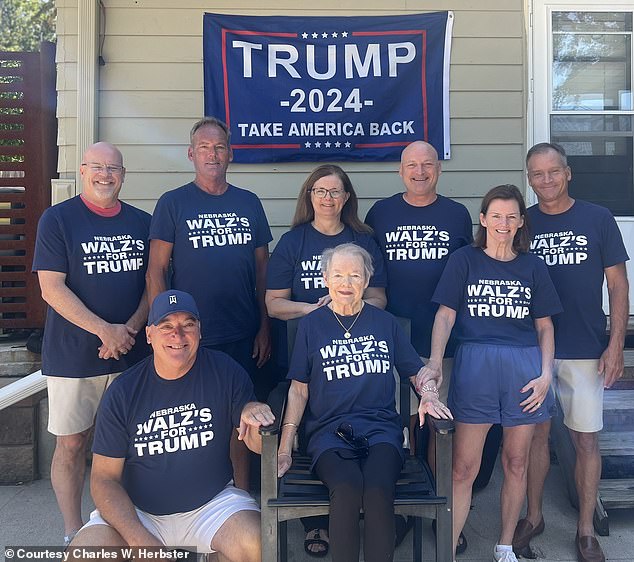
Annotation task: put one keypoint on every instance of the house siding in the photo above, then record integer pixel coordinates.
(151, 92)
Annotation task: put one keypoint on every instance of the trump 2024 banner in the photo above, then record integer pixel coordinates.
(328, 88)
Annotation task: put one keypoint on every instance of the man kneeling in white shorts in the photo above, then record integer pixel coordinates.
(161, 473)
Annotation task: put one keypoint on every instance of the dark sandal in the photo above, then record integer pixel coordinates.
(462, 540)
(316, 540)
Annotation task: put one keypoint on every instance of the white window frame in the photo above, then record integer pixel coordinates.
(540, 57)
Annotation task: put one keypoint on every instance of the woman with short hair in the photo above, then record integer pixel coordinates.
(341, 373)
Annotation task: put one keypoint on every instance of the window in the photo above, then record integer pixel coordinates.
(591, 106)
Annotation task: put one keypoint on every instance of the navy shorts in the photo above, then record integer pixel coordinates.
(486, 383)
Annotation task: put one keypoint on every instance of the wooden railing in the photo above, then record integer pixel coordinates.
(28, 160)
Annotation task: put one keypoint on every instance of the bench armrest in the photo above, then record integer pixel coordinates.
(440, 426)
(277, 402)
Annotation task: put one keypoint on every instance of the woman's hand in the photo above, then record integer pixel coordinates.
(430, 404)
(284, 461)
(431, 372)
(539, 388)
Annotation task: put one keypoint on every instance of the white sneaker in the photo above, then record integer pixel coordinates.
(504, 556)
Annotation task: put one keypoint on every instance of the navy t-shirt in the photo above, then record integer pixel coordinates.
(215, 238)
(173, 434)
(495, 301)
(577, 245)
(295, 262)
(351, 380)
(416, 243)
(104, 259)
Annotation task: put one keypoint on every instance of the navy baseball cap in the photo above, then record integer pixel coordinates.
(169, 302)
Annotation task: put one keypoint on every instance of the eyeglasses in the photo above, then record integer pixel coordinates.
(321, 192)
(359, 443)
(102, 168)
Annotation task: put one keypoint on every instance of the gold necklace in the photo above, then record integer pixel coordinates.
(346, 331)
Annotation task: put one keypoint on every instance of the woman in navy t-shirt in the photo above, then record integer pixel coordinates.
(326, 216)
(501, 299)
(341, 375)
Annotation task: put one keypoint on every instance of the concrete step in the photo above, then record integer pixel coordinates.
(17, 360)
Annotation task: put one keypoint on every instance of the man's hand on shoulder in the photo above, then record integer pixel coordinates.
(611, 364)
(117, 340)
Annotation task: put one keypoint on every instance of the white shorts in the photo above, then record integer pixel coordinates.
(443, 391)
(579, 388)
(196, 529)
(73, 402)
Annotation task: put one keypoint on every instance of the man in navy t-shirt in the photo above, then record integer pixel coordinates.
(161, 474)
(216, 236)
(90, 257)
(417, 231)
(581, 244)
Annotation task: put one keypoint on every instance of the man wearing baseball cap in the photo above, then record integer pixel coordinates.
(161, 472)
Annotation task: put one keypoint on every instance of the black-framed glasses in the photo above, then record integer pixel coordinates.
(322, 193)
(358, 443)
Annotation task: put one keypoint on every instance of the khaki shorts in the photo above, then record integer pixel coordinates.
(579, 388)
(196, 528)
(443, 391)
(73, 402)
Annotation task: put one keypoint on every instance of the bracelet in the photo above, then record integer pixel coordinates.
(284, 455)
(427, 388)
(290, 424)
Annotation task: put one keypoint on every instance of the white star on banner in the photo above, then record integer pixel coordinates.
(307, 144)
(337, 144)
(335, 34)
(304, 35)
(327, 144)
(315, 35)
(317, 144)
(348, 145)
(344, 34)
(324, 35)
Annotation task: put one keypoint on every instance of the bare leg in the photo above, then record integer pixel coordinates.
(239, 454)
(67, 477)
(538, 467)
(515, 451)
(238, 540)
(587, 476)
(95, 536)
(468, 443)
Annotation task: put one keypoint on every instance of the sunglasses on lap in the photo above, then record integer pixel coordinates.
(359, 443)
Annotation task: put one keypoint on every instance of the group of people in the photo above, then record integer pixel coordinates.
(494, 328)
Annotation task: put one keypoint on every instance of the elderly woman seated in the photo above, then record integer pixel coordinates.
(342, 369)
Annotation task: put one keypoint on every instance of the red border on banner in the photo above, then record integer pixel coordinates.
(224, 57)
(423, 34)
